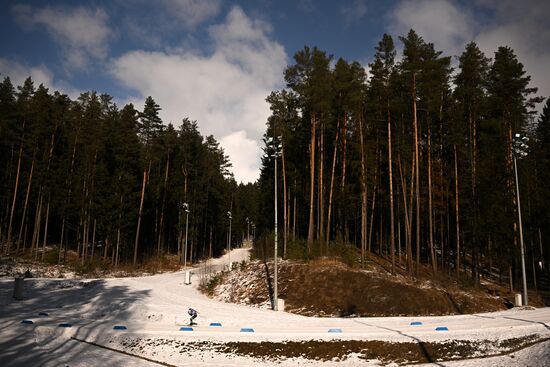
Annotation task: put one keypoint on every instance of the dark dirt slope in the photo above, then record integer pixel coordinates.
(330, 288)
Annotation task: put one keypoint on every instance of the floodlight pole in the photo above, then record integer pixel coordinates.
(186, 206)
(525, 300)
(229, 241)
(275, 294)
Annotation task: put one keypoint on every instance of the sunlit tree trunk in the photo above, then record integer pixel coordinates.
(332, 180)
(139, 215)
(311, 229)
(430, 210)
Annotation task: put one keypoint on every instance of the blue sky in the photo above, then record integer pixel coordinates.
(216, 61)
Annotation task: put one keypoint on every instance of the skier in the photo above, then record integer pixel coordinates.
(193, 313)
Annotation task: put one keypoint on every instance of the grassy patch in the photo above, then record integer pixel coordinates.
(340, 350)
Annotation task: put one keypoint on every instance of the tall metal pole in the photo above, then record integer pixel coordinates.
(275, 298)
(229, 241)
(526, 302)
(185, 246)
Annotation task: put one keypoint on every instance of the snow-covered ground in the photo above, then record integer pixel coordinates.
(152, 308)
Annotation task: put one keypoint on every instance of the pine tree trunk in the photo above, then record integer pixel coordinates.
(46, 229)
(413, 180)
(332, 180)
(311, 229)
(417, 175)
(139, 215)
(61, 242)
(117, 249)
(15, 189)
(37, 225)
(161, 225)
(294, 214)
(408, 220)
(363, 178)
(430, 210)
(473, 138)
(93, 240)
(285, 209)
(457, 217)
(25, 206)
(392, 225)
(321, 215)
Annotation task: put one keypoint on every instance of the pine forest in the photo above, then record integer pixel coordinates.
(411, 157)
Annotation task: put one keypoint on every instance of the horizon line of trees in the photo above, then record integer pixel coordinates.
(110, 183)
(413, 162)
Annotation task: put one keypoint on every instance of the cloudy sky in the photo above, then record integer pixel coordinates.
(215, 61)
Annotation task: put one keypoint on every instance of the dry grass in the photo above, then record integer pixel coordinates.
(327, 287)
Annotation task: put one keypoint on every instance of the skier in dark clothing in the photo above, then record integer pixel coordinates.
(193, 313)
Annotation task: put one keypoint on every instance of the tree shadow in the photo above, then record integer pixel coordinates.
(92, 308)
(453, 302)
(420, 343)
(270, 289)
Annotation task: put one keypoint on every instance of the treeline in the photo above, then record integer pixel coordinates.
(413, 161)
(105, 183)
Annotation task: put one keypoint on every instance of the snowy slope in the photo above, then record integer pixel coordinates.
(153, 307)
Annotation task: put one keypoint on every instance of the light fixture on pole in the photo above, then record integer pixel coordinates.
(274, 149)
(519, 151)
(186, 209)
(229, 240)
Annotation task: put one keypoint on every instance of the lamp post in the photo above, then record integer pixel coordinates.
(186, 209)
(274, 150)
(253, 232)
(229, 240)
(519, 151)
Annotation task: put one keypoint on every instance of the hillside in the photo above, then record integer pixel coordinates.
(330, 288)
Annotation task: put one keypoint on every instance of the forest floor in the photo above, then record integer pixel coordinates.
(329, 288)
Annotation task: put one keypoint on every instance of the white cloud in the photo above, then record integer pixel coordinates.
(82, 33)
(224, 91)
(521, 25)
(18, 72)
(354, 11)
(524, 27)
(192, 12)
(442, 22)
(245, 154)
